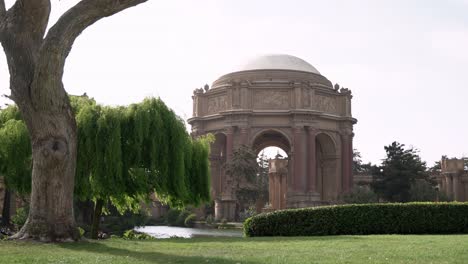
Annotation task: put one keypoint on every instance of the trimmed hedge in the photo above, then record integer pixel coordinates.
(362, 219)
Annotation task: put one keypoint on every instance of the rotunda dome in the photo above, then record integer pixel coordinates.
(278, 62)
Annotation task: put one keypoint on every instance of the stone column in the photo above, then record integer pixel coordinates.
(312, 160)
(244, 135)
(456, 188)
(271, 187)
(297, 95)
(350, 162)
(229, 141)
(284, 190)
(226, 191)
(216, 187)
(449, 186)
(195, 106)
(299, 159)
(346, 161)
(276, 186)
(198, 101)
(218, 210)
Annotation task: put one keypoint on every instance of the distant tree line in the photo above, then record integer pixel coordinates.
(402, 177)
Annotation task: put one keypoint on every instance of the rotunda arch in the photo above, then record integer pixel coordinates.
(326, 155)
(278, 167)
(270, 138)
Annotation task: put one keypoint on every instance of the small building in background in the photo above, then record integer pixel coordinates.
(453, 178)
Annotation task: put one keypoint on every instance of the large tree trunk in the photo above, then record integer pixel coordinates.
(51, 215)
(36, 68)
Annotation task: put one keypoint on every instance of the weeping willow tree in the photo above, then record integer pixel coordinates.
(127, 153)
(124, 155)
(15, 157)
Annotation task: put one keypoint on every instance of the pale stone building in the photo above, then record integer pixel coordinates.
(453, 179)
(281, 101)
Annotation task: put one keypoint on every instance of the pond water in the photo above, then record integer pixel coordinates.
(171, 231)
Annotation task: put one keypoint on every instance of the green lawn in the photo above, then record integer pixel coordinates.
(336, 249)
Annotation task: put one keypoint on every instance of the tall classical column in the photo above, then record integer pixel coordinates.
(216, 187)
(229, 141)
(299, 159)
(244, 135)
(312, 160)
(456, 188)
(449, 186)
(346, 161)
(226, 178)
(350, 162)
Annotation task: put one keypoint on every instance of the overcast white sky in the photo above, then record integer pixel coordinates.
(405, 61)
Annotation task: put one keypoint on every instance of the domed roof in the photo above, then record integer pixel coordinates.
(278, 62)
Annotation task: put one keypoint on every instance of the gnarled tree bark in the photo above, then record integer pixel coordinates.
(36, 63)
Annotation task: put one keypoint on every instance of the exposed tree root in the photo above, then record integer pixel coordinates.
(40, 232)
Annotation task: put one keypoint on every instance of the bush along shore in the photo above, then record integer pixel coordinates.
(362, 219)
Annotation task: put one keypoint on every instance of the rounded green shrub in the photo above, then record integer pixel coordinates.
(190, 220)
(132, 234)
(362, 219)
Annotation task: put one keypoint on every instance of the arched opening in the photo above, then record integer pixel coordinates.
(326, 167)
(271, 138)
(272, 148)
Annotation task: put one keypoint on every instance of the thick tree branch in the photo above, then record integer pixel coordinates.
(2, 8)
(29, 17)
(22, 31)
(60, 38)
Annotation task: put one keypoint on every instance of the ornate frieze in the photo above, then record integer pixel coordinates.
(217, 104)
(325, 104)
(268, 99)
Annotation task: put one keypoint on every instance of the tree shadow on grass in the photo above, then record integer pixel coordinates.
(150, 257)
(264, 239)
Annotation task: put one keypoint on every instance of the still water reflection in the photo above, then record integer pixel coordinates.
(171, 231)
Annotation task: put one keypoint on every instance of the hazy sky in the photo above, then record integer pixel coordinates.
(405, 61)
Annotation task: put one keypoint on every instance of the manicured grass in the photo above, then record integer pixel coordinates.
(334, 249)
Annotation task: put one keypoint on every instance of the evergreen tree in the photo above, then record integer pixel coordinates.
(401, 168)
(249, 175)
(358, 166)
(263, 177)
(243, 165)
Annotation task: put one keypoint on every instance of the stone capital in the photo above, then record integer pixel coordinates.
(229, 130)
(346, 133)
(312, 130)
(243, 130)
(298, 129)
